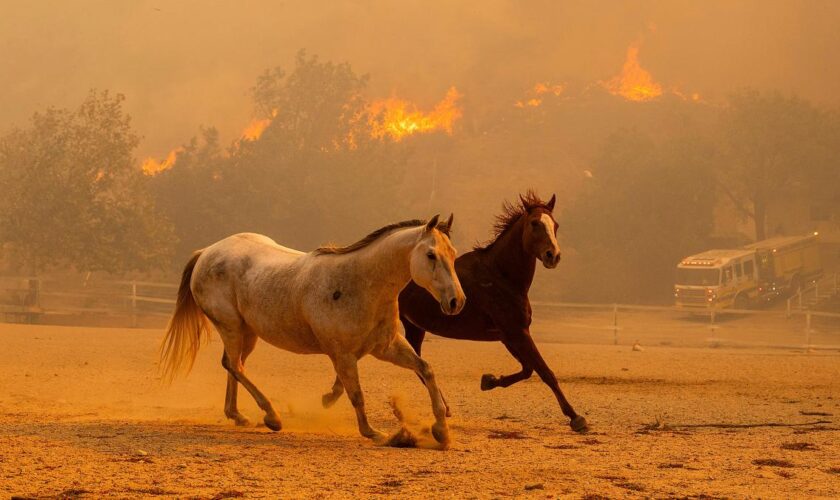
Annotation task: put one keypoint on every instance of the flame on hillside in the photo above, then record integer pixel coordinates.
(252, 132)
(537, 94)
(399, 118)
(634, 83)
(153, 167)
(255, 129)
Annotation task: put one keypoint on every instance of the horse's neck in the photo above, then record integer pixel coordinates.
(509, 257)
(386, 262)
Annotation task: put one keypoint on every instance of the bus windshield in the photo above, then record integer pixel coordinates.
(698, 277)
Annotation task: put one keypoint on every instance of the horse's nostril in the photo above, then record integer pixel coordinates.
(453, 304)
(549, 255)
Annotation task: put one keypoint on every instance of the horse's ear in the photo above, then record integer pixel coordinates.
(447, 226)
(550, 203)
(433, 222)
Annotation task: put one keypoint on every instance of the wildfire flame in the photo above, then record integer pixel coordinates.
(539, 90)
(634, 83)
(399, 118)
(154, 167)
(255, 129)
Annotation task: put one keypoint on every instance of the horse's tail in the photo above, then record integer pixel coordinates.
(186, 329)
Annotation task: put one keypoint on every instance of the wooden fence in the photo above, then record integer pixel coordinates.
(35, 300)
(141, 303)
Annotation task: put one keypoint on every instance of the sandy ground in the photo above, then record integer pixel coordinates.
(83, 414)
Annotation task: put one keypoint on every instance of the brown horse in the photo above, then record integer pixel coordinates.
(496, 278)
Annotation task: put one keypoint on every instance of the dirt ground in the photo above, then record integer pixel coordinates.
(83, 414)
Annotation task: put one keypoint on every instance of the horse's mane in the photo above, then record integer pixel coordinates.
(367, 240)
(511, 212)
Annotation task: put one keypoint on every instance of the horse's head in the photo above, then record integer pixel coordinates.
(539, 235)
(433, 266)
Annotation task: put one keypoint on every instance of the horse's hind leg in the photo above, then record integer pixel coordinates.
(234, 347)
(348, 373)
(401, 353)
(415, 335)
(489, 381)
(231, 410)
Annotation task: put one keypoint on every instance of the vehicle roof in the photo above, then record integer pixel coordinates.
(779, 242)
(714, 258)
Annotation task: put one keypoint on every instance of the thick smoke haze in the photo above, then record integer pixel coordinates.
(186, 64)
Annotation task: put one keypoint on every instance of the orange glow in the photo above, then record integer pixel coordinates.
(539, 90)
(545, 88)
(634, 83)
(153, 167)
(399, 118)
(255, 129)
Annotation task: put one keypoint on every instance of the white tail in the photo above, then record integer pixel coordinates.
(186, 330)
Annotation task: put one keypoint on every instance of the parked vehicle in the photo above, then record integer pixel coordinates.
(741, 278)
(786, 264)
(717, 278)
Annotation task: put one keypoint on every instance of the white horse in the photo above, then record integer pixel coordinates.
(341, 302)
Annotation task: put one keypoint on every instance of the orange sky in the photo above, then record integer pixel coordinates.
(189, 63)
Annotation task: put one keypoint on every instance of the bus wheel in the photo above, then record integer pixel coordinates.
(741, 302)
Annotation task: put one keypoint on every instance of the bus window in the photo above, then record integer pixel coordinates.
(748, 268)
(738, 270)
(727, 274)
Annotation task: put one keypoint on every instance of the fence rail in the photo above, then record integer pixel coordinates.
(37, 300)
(667, 325)
(30, 300)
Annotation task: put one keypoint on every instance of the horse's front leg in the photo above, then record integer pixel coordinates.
(347, 372)
(490, 381)
(329, 399)
(526, 348)
(402, 354)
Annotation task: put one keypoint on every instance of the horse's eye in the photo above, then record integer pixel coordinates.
(535, 223)
(431, 256)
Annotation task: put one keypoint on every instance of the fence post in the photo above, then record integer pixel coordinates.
(799, 295)
(133, 304)
(807, 331)
(32, 301)
(712, 316)
(615, 324)
(788, 307)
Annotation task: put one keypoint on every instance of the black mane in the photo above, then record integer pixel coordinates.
(511, 212)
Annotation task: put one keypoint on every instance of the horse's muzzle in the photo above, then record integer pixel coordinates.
(452, 306)
(550, 259)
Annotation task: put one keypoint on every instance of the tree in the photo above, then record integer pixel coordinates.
(770, 143)
(73, 193)
(314, 174)
(646, 206)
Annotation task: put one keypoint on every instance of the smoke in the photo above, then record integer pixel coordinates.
(184, 65)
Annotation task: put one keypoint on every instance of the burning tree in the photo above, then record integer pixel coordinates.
(72, 193)
(307, 157)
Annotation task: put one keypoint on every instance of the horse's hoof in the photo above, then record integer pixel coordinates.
(241, 421)
(441, 433)
(376, 436)
(488, 382)
(272, 423)
(327, 400)
(579, 424)
(448, 412)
